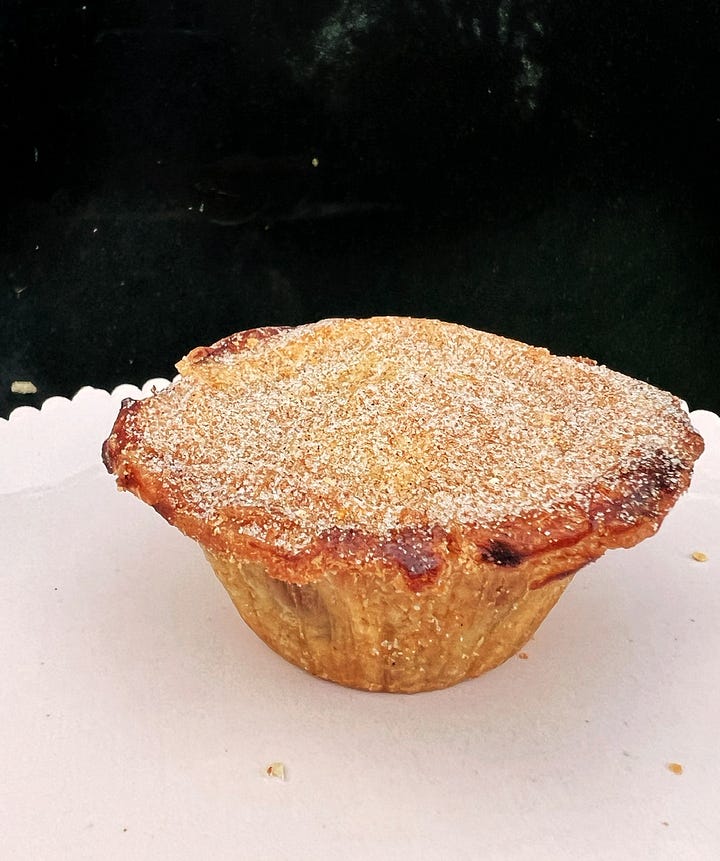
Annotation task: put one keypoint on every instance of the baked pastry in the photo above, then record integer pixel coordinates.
(395, 504)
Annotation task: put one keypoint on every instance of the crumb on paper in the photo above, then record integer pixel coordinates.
(675, 767)
(523, 656)
(664, 822)
(277, 770)
(23, 387)
(699, 556)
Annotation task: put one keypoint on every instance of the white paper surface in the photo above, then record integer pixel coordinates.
(138, 713)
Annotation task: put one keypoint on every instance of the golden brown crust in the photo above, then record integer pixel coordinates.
(164, 449)
(400, 451)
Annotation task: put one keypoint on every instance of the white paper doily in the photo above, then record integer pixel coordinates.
(139, 714)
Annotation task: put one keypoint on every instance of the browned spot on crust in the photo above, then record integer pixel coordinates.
(414, 552)
(233, 344)
(120, 436)
(502, 553)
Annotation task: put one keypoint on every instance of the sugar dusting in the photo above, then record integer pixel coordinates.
(377, 425)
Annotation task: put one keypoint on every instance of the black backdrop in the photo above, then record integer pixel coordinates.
(176, 171)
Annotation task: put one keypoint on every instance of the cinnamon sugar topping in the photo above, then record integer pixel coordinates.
(390, 424)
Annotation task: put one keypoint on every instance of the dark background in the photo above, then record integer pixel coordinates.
(176, 171)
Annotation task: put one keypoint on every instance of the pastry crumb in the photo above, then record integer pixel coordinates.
(699, 556)
(523, 656)
(675, 767)
(277, 770)
(23, 387)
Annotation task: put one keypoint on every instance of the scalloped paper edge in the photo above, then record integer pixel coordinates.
(124, 390)
(40, 447)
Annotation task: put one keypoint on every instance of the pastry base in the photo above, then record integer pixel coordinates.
(365, 627)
